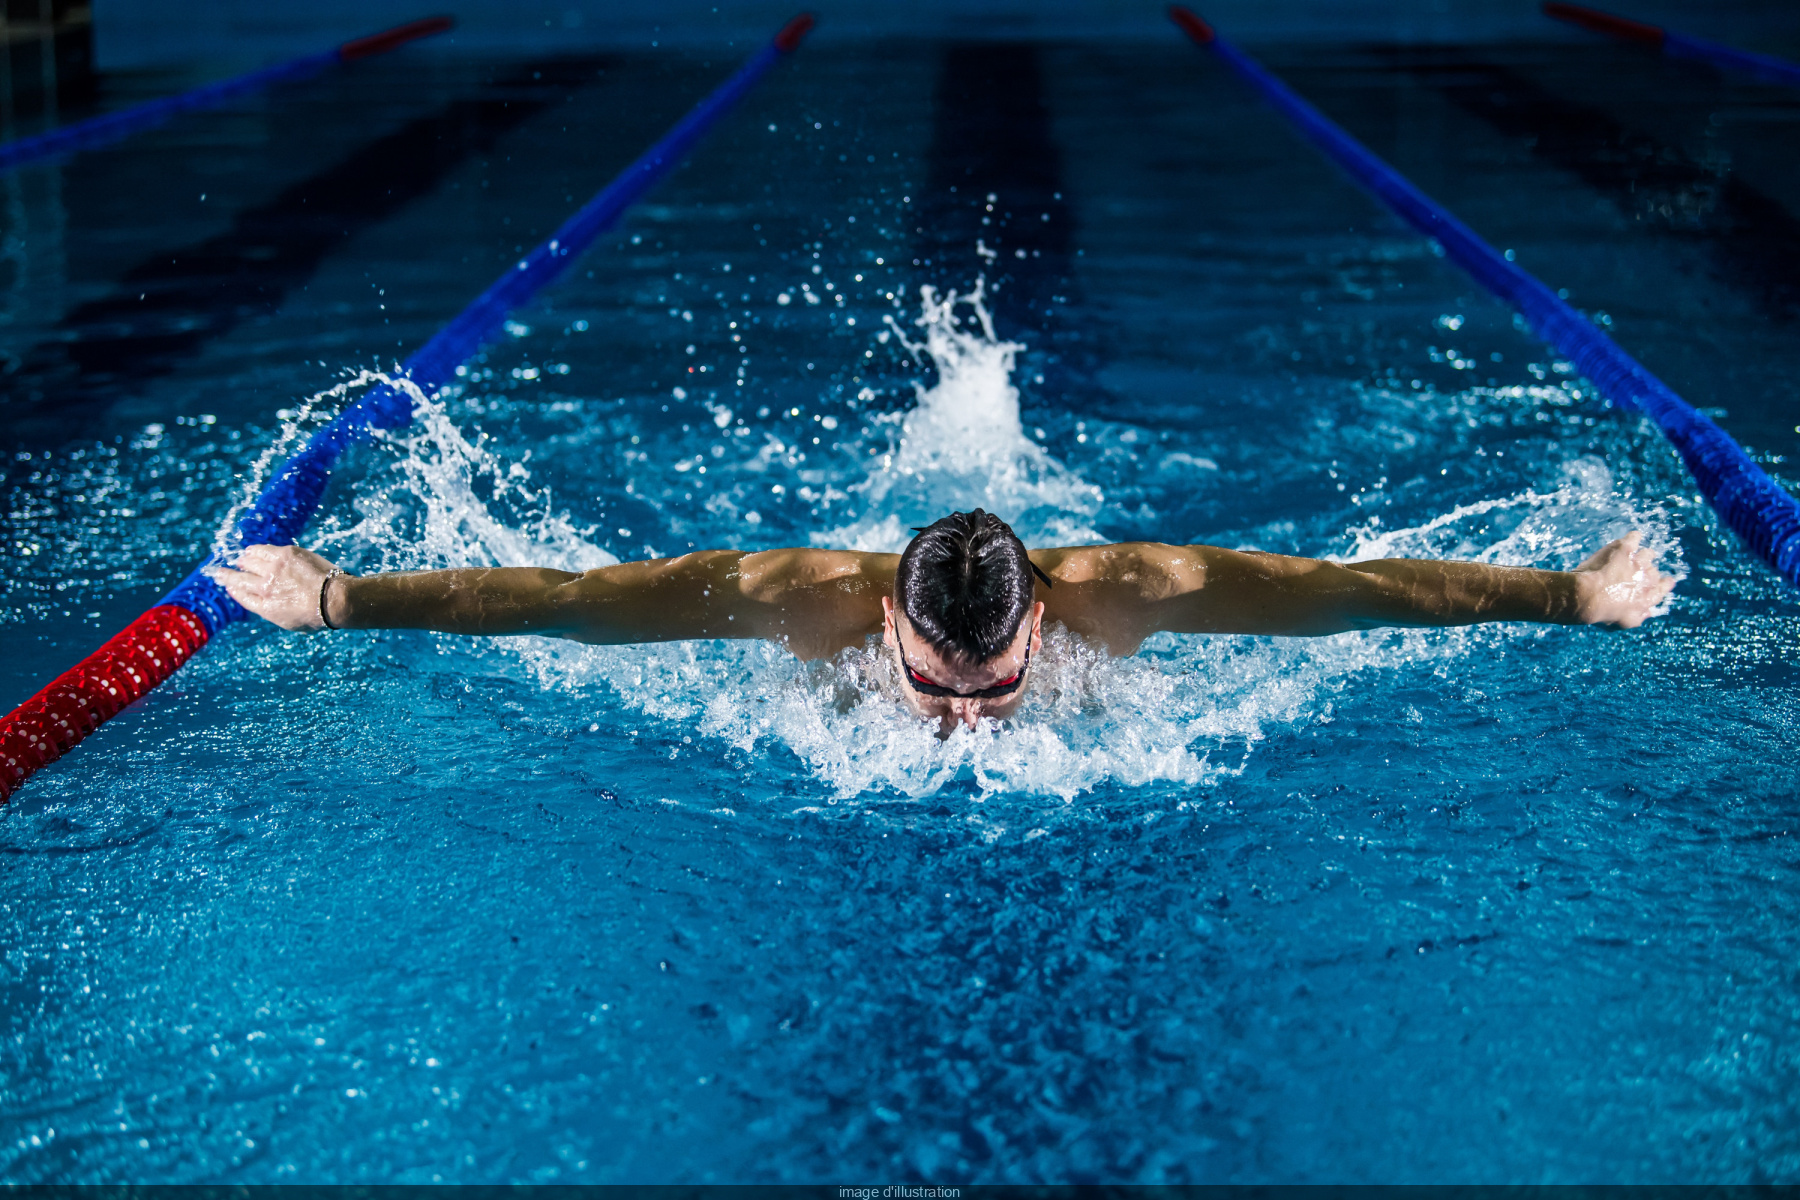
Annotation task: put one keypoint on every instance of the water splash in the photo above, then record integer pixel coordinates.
(1555, 529)
(1186, 711)
(963, 446)
(446, 499)
(296, 426)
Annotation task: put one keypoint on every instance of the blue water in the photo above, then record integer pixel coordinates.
(1508, 904)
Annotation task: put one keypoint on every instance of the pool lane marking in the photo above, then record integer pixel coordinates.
(160, 642)
(1750, 503)
(169, 305)
(1753, 240)
(98, 131)
(1677, 45)
(991, 136)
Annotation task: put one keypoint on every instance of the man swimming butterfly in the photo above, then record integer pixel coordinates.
(961, 609)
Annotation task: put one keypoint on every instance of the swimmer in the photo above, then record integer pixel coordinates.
(962, 609)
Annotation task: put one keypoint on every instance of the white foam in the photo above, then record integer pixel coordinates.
(962, 445)
(1187, 713)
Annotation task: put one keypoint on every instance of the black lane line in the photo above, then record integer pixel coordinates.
(991, 136)
(111, 347)
(1753, 242)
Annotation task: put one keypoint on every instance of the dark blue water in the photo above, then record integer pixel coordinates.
(1498, 905)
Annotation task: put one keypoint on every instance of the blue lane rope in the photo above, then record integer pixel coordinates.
(1749, 502)
(1677, 45)
(1763, 66)
(280, 512)
(98, 131)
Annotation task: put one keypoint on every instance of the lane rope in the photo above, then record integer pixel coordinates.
(1747, 500)
(98, 131)
(1677, 45)
(157, 644)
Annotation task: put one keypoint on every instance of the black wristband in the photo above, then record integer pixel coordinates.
(323, 588)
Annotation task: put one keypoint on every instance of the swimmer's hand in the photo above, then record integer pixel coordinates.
(281, 584)
(1620, 585)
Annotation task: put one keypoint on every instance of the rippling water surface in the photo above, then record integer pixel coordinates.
(1506, 904)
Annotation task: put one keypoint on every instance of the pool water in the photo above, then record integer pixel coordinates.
(1506, 904)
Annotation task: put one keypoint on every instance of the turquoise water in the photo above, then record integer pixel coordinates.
(1497, 905)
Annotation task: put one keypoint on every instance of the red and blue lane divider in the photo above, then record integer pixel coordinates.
(97, 131)
(160, 642)
(1750, 503)
(1677, 45)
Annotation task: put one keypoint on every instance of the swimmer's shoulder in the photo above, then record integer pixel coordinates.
(1113, 594)
(767, 574)
(1149, 571)
(816, 602)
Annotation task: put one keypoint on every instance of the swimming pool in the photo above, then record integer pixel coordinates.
(1501, 905)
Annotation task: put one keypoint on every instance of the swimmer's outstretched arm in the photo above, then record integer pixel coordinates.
(814, 601)
(1121, 594)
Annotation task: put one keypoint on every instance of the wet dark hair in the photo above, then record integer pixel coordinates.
(965, 584)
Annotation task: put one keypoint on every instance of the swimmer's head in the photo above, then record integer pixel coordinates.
(963, 622)
(965, 585)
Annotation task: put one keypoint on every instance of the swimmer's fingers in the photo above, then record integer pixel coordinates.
(1604, 557)
(1653, 585)
(1635, 603)
(1622, 586)
(258, 560)
(278, 583)
(251, 590)
(236, 583)
(274, 560)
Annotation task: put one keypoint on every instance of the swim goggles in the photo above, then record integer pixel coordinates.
(926, 687)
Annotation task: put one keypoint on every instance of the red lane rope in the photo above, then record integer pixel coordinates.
(110, 127)
(1602, 22)
(399, 35)
(136, 659)
(788, 40)
(1191, 24)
